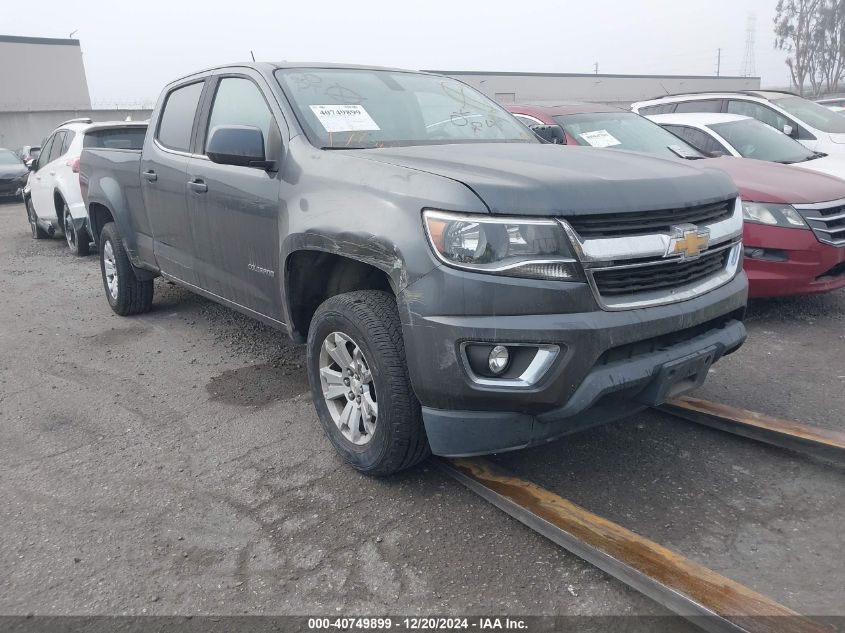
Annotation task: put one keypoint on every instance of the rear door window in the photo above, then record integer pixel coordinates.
(116, 138)
(69, 136)
(663, 108)
(177, 118)
(44, 156)
(700, 105)
(56, 148)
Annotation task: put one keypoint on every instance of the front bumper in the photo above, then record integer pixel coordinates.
(796, 262)
(609, 363)
(11, 187)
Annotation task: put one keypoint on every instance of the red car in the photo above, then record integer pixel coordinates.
(794, 219)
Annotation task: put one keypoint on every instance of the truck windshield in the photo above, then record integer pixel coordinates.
(752, 139)
(359, 108)
(625, 130)
(812, 114)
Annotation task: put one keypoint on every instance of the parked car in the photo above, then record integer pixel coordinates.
(736, 135)
(462, 287)
(13, 174)
(28, 153)
(794, 233)
(834, 100)
(52, 197)
(809, 123)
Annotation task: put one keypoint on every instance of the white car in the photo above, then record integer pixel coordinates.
(52, 196)
(734, 135)
(813, 125)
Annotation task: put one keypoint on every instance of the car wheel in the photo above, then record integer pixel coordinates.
(126, 293)
(360, 384)
(78, 244)
(37, 232)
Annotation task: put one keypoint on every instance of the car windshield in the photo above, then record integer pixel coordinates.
(625, 130)
(752, 139)
(812, 114)
(358, 108)
(8, 158)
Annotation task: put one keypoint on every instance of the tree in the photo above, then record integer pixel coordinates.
(796, 33)
(830, 44)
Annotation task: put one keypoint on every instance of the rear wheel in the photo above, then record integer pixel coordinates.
(37, 232)
(126, 294)
(360, 384)
(77, 241)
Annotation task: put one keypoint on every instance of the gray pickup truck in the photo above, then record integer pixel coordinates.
(462, 286)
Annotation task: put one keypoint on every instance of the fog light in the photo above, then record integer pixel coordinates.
(498, 359)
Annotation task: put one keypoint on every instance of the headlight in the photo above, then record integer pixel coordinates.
(773, 214)
(516, 247)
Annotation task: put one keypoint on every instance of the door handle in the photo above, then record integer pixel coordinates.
(150, 176)
(198, 185)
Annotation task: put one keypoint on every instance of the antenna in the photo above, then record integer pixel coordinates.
(596, 68)
(749, 63)
(253, 55)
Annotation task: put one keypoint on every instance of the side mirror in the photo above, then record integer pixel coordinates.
(788, 129)
(550, 133)
(240, 145)
(30, 164)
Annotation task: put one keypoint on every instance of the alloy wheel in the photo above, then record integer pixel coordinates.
(348, 388)
(110, 269)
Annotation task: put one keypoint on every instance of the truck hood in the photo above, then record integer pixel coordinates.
(540, 179)
(762, 181)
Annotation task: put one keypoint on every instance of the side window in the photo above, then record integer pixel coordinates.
(44, 156)
(56, 148)
(700, 105)
(69, 136)
(759, 112)
(701, 141)
(177, 117)
(663, 108)
(238, 101)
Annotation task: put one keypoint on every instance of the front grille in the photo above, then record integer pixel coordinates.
(828, 224)
(665, 274)
(604, 225)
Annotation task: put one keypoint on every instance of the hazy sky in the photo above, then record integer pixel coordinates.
(132, 48)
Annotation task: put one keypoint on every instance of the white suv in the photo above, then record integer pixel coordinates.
(809, 123)
(52, 195)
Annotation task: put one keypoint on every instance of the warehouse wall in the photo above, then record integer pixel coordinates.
(38, 73)
(542, 88)
(30, 128)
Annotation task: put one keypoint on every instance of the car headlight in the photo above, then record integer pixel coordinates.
(516, 247)
(772, 214)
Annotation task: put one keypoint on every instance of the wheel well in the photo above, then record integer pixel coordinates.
(59, 204)
(314, 276)
(99, 216)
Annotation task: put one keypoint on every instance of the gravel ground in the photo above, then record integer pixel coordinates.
(172, 464)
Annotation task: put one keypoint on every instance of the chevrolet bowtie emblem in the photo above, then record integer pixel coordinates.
(687, 240)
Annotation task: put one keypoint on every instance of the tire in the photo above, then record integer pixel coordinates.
(37, 232)
(78, 244)
(365, 320)
(126, 294)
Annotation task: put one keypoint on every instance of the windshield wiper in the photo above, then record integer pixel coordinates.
(344, 147)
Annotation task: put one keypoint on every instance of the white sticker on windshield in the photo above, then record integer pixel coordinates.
(600, 138)
(344, 118)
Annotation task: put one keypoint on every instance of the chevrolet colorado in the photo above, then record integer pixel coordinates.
(462, 286)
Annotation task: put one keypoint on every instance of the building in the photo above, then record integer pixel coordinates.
(540, 88)
(43, 84)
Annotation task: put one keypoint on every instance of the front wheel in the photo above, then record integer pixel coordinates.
(77, 241)
(126, 293)
(359, 381)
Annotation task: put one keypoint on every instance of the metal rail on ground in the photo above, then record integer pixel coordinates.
(709, 600)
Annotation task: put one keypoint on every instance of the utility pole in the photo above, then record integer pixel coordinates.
(749, 62)
(718, 62)
(596, 68)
